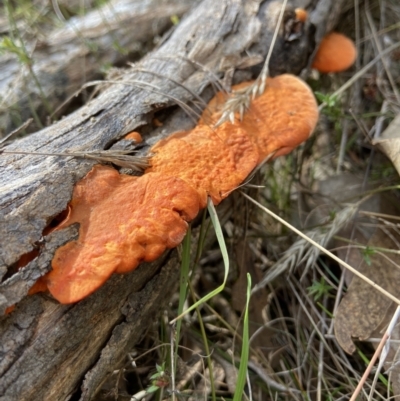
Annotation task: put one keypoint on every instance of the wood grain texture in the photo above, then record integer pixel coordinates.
(49, 351)
(119, 30)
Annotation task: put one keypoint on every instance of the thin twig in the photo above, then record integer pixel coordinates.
(376, 355)
(121, 158)
(240, 100)
(17, 130)
(322, 249)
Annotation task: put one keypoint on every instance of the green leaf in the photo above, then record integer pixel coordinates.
(152, 389)
(367, 253)
(225, 257)
(244, 358)
(319, 288)
(175, 19)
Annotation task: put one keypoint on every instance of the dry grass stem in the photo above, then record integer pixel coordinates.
(121, 158)
(240, 100)
(322, 249)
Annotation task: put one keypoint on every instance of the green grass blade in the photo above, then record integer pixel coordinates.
(224, 252)
(244, 358)
(183, 284)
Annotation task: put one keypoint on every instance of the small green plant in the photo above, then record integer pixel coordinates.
(159, 380)
(175, 19)
(319, 289)
(9, 45)
(330, 101)
(367, 253)
(332, 109)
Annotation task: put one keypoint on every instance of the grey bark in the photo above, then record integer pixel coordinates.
(49, 351)
(88, 43)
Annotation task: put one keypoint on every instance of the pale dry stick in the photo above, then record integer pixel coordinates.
(391, 370)
(139, 396)
(342, 147)
(17, 130)
(360, 73)
(327, 278)
(57, 10)
(367, 340)
(381, 32)
(355, 245)
(265, 70)
(376, 355)
(321, 356)
(380, 120)
(240, 100)
(301, 251)
(385, 349)
(324, 250)
(270, 382)
(172, 356)
(156, 347)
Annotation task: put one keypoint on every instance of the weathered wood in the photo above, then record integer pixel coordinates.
(88, 43)
(48, 350)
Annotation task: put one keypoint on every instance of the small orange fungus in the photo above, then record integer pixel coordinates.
(9, 309)
(279, 120)
(214, 162)
(336, 53)
(301, 14)
(134, 136)
(123, 221)
(39, 286)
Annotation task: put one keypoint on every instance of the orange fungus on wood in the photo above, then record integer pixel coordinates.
(39, 286)
(301, 14)
(134, 136)
(123, 221)
(214, 162)
(283, 117)
(336, 53)
(279, 120)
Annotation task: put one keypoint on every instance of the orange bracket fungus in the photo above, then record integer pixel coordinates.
(336, 53)
(123, 220)
(279, 120)
(214, 162)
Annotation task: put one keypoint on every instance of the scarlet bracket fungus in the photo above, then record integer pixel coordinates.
(123, 221)
(279, 120)
(214, 162)
(336, 53)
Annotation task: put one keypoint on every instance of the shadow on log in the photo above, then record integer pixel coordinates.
(51, 351)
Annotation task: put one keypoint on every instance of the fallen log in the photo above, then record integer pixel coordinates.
(118, 31)
(51, 351)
